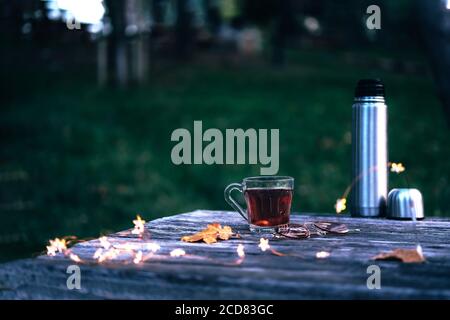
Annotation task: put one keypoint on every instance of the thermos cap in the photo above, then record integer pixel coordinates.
(405, 203)
(369, 88)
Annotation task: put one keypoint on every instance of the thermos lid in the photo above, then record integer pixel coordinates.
(405, 204)
(369, 88)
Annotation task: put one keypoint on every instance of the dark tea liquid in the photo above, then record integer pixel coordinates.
(268, 207)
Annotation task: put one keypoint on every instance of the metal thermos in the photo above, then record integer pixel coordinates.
(369, 150)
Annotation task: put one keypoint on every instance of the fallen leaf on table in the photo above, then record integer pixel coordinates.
(295, 231)
(403, 255)
(194, 238)
(225, 233)
(332, 227)
(210, 235)
(209, 239)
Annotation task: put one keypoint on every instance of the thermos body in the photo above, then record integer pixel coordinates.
(369, 156)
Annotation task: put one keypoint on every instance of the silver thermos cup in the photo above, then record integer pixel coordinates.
(369, 150)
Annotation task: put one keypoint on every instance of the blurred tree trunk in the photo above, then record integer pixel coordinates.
(138, 18)
(213, 17)
(140, 57)
(284, 26)
(435, 27)
(117, 43)
(102, 62)
(123, 59)
(183, 30)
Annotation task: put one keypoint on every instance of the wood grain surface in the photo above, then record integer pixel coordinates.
(211, 272)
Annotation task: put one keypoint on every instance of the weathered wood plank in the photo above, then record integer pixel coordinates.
(205, 273)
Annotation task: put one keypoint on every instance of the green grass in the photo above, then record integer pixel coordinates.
(86, 160)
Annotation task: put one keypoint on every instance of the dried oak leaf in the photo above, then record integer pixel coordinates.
(210, 235)
(403, 255)
(225, 233)
(209, 239)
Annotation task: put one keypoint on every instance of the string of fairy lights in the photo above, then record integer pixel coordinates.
(341, 203)
(138, 253)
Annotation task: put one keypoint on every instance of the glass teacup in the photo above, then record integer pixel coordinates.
(268, 200)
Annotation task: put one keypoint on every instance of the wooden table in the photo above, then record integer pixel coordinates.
(210, 272)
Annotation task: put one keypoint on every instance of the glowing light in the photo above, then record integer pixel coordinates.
(419, 250)
(264, 244)
(153, 247)
(398, 167)
(56, 246)
(108, 255)
(98, 253)
(312, 24)
(322, 254)
(84, 11)
(139, 226)
(105, 243)
(177, 253)
(341, 205)
(448, 5)
(74, 257)
(137, 257)
(240, 251)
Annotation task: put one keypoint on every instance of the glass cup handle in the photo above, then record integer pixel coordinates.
(231, 201)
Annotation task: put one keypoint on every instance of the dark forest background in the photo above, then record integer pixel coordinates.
(87, 108)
